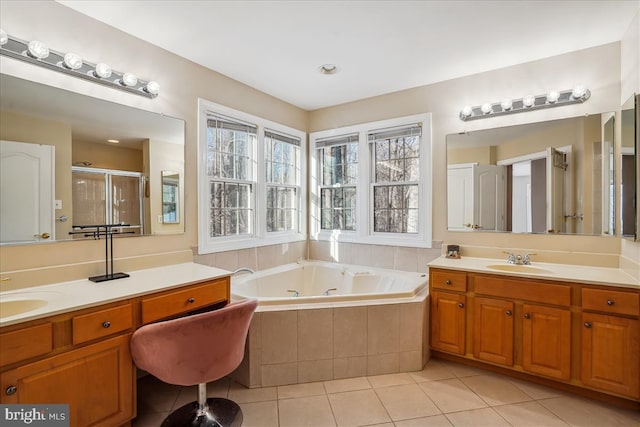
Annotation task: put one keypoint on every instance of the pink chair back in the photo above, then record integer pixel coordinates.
(194, 349)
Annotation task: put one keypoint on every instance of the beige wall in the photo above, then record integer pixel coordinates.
(164, 156)
(107, 156)
(183, 82)
(34, 130)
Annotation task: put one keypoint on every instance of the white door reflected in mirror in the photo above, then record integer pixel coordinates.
(26, 193)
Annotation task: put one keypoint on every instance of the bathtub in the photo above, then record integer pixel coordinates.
(320, 321)
(317, 282)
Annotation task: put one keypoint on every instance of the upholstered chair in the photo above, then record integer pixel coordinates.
(194, 350)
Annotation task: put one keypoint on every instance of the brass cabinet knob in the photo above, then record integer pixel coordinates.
(447, 282)
(587, 325)
(610, 302)
(527, 316)
(191, 300)
(106, 324)
(509, 313)
(461, 305)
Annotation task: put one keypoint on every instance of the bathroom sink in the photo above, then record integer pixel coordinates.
(514, 268)
(19, 306)
(12, 304)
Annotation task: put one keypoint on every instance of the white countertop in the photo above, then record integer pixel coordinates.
(74, 295)
(560, 272)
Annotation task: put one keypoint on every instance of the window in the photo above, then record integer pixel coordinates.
(371, 183)
(396, 172)
(251, 181)
(338, 166)
(282, 164)
(229, 147)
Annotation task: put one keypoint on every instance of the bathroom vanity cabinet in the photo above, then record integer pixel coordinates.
(579, 334)
(82, 357)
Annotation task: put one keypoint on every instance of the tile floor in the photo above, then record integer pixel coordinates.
(442, 394)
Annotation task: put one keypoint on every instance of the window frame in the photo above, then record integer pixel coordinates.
(365, 183)
(260, 235)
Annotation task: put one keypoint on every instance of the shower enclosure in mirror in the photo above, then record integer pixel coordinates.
(102, 164)
(553, 177)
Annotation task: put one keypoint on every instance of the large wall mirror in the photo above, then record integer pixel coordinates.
(630, 171)
(70, 161)
(555, 177)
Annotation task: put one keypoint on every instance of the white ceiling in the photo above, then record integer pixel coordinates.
(379, 46)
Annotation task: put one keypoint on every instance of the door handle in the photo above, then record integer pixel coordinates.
(42, 236)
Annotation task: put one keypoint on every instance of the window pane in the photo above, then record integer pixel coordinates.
(381, 220)
(412, 170)
(381, 197)
(325, 219)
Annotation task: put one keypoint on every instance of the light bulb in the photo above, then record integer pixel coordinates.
(72, 61)
(467, 111)
(37, 49)
(129, 79)
(578, 91)
(506, 104)
(4, 37)
(102, 70)
(552, 97)
(152, 87)
(486, 108)
(528, 101)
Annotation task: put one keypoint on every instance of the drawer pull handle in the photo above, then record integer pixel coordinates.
(509, 313)
(191, 300)
(106, 324)
(461, 305)
(11, 390)
(587, 325)
(447, 282)
(610, 302)
(527, 316)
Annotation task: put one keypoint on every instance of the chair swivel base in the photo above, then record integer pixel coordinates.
(220, 412)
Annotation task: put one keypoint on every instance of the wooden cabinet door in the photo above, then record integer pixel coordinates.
(546, 341)
(96, 381)
(493, 330)
(611, 354)
(448, 322)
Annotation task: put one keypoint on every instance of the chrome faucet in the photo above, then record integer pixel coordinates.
(518, 259)
(241, 269)
(326, 293)
(295, 292)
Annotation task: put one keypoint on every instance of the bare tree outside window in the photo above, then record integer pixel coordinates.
(231, 187)
(338, 163)
(282, 170)
(395, 185)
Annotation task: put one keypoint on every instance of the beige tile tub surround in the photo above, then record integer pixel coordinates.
(310, 345)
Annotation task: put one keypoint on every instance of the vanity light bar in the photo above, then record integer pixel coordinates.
(578, 94)
(37, 53)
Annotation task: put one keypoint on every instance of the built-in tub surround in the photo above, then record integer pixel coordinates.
(316, 338)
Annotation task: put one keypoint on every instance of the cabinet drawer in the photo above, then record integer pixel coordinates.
(102, 323)
(519, 289)
(610, 301)
(25, 343)
(449, 280)
(183, 301)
